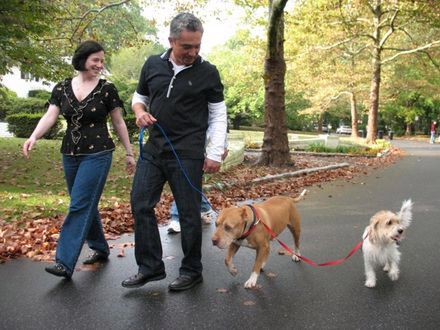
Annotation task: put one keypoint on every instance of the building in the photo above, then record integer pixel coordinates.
(22, 82)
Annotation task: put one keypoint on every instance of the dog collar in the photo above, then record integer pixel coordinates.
(255, 221)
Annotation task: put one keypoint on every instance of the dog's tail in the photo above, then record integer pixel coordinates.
(303, 193)
(405, 213)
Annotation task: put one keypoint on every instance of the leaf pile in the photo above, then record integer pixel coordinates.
(36, 238)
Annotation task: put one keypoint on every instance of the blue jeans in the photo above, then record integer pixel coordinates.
(151, 174)
(204, 207)
(85, 177)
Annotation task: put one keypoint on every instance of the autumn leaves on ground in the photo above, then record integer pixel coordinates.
(34, 236)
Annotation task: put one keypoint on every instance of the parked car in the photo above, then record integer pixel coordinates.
(324, 128)
(344, 129)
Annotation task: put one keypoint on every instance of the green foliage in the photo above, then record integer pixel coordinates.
(413, 109)
(14, 105)
(5, 101)
(351, 150)
(239, 62)
(125, 68)
(39, 94)
(133, 130)
(38, 36)
(23, 124)
(26, 105)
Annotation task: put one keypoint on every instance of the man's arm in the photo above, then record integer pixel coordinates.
(216, 135)
(139, 105)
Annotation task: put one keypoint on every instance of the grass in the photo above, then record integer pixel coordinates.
(36, 187)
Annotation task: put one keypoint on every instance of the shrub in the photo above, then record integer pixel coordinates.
(6, 96)
(133, 130)
(39, 94)
(28, 105)
(22, 125)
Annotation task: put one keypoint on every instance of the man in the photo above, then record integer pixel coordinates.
(184, 95)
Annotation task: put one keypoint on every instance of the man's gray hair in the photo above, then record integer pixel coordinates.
(185, 21)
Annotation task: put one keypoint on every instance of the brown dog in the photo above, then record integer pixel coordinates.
(237, 226)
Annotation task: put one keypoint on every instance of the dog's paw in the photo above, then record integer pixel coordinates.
(369, 283)
(386, 269)
(296, 258)
(393, 275)
(233, 270)
(251, 283)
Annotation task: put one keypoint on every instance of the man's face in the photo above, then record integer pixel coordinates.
(186, 48)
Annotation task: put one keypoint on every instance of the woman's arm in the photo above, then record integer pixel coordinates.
(122, 131)
(45, 123)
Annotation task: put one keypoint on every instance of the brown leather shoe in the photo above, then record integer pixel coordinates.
(185, 282)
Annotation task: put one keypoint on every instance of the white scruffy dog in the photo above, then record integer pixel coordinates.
(380, 248)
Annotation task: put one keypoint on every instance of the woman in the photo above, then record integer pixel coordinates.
(85, 101)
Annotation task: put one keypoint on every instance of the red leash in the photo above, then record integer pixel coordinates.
(311, 262)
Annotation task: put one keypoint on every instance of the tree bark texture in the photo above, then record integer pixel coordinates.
(376, 75)
(275, 150)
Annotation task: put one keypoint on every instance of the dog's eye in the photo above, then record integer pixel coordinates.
(227, 227)
(389, 222)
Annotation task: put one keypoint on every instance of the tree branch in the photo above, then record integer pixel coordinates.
(410, 51)
(98, 11)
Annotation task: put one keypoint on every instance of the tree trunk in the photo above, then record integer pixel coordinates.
(376, 75)
(354, 119)
(275, 150)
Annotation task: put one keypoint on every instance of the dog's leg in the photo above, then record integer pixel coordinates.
(370, 275)
(232, 250)
(296, 232)
(260, 261)
(393, 272)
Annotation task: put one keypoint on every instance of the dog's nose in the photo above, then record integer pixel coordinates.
(400, 231)
(214, 241)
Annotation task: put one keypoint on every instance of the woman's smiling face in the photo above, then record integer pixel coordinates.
(95, 63)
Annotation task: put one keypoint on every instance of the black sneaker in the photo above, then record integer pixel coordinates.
(95, 257)
(58, 269)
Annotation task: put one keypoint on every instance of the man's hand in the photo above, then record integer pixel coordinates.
(211, 166)
(145, 119)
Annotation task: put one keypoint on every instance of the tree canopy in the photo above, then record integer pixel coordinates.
(39, 36)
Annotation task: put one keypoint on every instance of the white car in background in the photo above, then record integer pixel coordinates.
(344, 129)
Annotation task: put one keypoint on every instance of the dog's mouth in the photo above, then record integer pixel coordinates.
(397, 239)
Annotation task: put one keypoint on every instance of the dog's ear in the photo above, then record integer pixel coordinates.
(373, 231)
(405, 213)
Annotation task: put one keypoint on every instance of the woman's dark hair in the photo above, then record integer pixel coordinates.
(83, 52)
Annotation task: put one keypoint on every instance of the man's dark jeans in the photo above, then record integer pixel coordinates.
(151, 175)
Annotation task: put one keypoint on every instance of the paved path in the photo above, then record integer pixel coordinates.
(292, 296)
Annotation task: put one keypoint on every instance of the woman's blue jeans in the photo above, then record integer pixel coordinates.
(85, 177)
(174, 212)
(151, 174)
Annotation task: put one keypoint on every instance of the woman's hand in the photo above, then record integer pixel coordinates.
(27, 146)
(130, 163)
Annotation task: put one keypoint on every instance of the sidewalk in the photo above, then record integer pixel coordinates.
(291, 296)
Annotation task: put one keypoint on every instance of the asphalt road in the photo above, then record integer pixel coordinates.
(292, 295)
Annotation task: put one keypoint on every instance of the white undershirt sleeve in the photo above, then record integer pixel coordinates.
(139, 98)
(217, 131)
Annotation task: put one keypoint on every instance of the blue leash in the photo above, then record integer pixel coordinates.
(182, 168)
